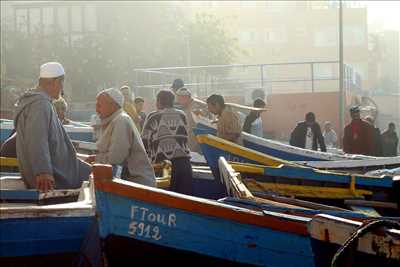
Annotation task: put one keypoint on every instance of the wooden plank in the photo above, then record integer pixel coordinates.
(368, 203)
(8, 162)
(298, 202)
(231, 105)
(306, 191)
(371, 212)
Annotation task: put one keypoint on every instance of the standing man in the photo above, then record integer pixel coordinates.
(139, 102)
(228, 125)
(129, 107)
(377, 150)
(358, 135)
(119, 141)
(390, 141)
(307, 134)
(329, 135)
(165, 137)
(189, 107)
(47, 159)
(253, 122)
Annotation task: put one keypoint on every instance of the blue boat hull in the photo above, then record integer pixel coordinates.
(278, 153)
(214, 237)
(42, 236)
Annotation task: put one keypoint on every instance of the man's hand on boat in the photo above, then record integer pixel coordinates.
(44, 182)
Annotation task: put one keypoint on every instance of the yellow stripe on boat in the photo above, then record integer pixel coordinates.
(306, 191)
(241, 151)
(247, 168)
(8, 162)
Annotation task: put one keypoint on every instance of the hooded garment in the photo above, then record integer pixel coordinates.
(119, 143)
(43, 145)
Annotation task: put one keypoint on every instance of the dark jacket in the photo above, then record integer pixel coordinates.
(377, 151)
(390, 142)
(249, 120)
(298, 136)
(362, 144)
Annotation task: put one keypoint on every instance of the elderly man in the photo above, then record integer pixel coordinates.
(189, 107)
(61, 108)
(119, 141)
(228, 126)
(165, 138)
(47, 159)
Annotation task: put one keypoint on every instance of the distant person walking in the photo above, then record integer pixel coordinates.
(390, 141)
(307, 134)
(228, 125)
(377, 150)
(358, 135)
(253, 122)
(329, 135)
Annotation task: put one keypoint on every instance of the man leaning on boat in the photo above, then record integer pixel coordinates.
(119, 141)
(46, 156)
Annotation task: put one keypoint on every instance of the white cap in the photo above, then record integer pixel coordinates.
(183, 92)
(51, 70)
(115, 94)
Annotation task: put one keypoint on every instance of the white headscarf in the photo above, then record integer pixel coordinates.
(115, 94)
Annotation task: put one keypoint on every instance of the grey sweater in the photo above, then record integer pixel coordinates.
(119, 143)
(43, 145)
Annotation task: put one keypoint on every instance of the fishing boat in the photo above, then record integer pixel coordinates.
(286, 187)
(278, 149)
(57, 228)
(76, 131)
(214, 147)
(136, 221)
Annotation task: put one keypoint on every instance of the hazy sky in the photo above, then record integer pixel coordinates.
(385, 14)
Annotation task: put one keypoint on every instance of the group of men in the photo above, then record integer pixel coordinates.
(360, 136)
(126, 137)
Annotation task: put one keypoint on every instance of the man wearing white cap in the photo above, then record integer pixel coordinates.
(119, 141)
(47, 159)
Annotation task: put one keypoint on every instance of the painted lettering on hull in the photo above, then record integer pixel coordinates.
(145, 222)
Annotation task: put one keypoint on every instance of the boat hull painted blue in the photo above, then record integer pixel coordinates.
(42, 236)
(282, 154)
(205, 235)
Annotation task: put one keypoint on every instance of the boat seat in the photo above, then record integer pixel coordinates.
(12, 183)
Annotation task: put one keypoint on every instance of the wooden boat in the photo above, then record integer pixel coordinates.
(179, 228)
(376, 243)
(53, 229)
(75, 131)
(214, 147)
(136, 221)
(278, 149)
(271, 195)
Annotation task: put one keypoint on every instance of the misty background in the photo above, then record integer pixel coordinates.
(278, 47)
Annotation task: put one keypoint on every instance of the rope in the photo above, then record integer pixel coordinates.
(352, 242)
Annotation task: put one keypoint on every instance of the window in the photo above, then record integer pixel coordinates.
(76, 19)
(353, 36)
(326, 37)
(275, 35)
(22, 20)
(62, 19)
(90, 18)
(34, 20)
(48, 20)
